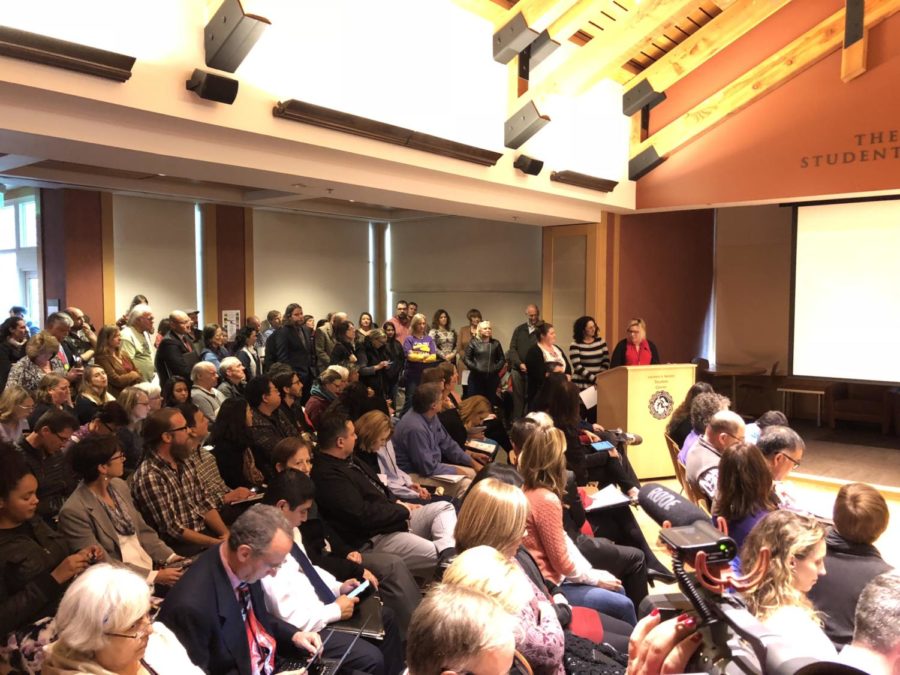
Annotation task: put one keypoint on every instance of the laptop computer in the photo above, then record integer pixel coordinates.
(318, 664)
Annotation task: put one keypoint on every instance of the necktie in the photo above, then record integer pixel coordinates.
(322, 591)
(257, 636)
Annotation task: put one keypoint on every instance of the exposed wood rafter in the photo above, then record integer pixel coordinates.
(856, 40)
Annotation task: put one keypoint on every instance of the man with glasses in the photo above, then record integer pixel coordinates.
(218, 609)
(169, 493)
(725, 427)
(783, 449)
(43, 453)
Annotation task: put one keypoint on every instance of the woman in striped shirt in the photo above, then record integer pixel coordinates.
(588, 352)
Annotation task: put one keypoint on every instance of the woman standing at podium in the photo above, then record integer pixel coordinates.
(635, 349)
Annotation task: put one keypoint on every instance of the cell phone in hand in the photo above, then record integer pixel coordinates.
(359, 589)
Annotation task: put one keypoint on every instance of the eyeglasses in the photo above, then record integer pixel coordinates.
(795, 462)
(28, 408)
(739, 440)
(64, 439)
(177, 429)
(118, 455)
(139, 634)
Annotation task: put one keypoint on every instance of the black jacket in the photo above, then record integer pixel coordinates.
(9, 354)
(850, 567)
(519, 344)
(367, 358)
(174, 358)
(340, 355)
(292, 349)
(618, 356)
(537, 369)
(484, 357)
(354, 501)
(203, 612)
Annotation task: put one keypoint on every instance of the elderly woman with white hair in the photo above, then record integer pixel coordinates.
(484, 358)
(104, 628)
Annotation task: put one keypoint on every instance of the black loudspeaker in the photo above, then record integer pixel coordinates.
(213, 87)
(528, 165)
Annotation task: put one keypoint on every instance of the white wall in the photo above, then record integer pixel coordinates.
(154, 253)
(322, 263)
(458, 263)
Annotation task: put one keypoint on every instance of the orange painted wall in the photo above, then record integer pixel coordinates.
(758, 154)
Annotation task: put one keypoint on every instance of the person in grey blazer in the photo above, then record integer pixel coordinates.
(100, 511)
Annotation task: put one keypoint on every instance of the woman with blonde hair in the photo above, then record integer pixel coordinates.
(16, 405)
(373, 445)
(796, 544)
(93, 393)
(53, 393)
(120, 370)
(635, 349)
(136, 403)
(542, 463)
(485, 359)
(420, 352)
(40, 352)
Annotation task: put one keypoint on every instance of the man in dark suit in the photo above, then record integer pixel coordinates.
(293, 345)
(176, 355)
(218, 608)
(524, 337)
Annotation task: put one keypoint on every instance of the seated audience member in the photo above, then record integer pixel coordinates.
(476, 411)
(326, 550)
(344, 351)
(120, 369)
(357, 400)
(445, 374)
(679, 426)
(93, 393)
(308, 597)
(635, 349)
(205, 464)
(13, 336)
(544, 358)
(270, 424)
(204, 394)
(168, 491)
(779, 601)
(213, 345)
(375, 363)
(175, 354)
(702, 472)
(768, 419)
(231, 372)
(425, 450)
(364, 513)
(43, 452)
(539, 638)
(136, 404)
(744, 495)
(53, 393)
(374, 443)
(231, 443)
(485, 359)
(218, 609)
(81, 340)
(542, 464)
(176, 391)
(326, 389)
(290, 386)
(703, 407)
(588, 352)
(16, 404)
(101, 513)
(783, 449)
(154, 394)
(103, 627)
(458, 630)
(245, 351)
(860, 518)
(110, 417)
(40, 359)
(137, 343)
(876, 636)
(35, 565)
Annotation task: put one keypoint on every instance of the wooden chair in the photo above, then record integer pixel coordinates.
(681, 473)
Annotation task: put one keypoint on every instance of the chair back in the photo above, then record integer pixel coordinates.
(678, 466)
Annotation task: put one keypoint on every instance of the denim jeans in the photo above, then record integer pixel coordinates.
(613, 603)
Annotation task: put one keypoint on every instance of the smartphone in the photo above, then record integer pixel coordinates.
(359, 589)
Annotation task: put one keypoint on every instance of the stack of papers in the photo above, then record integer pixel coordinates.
(606, 498)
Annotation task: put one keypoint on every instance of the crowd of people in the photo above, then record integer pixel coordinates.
(180, 500)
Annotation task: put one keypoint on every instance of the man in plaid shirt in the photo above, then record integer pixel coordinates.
(168, 491)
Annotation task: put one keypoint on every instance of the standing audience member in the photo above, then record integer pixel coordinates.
(35, 565)
(400, 321)
(40, 359)
(136, 341)
(343, 353)
(374, 363)
(120, 370)
(273, 321)
(232, 375)
(293, 345)
(43, 452)
(58, 325)
(326, 339)
(204, 395)
(213, 350)
(484, 359)
(420, 352)
(424, 449)
(588, 352)
(81, 340)
(101, 513)
(860, 517)
(524, 337)
(443, 335)
(466, 333)
(635, 349)
(724, 429)
(543, 359)
(16, 405)
(269, 423)
(218, 610)
(93, 393)
(394, 349)
(246, 352)
(744, 495)
(175, 354)
(168, 491)
(13, 336)
(364, 326)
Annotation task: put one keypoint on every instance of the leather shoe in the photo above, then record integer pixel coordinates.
(658, 576)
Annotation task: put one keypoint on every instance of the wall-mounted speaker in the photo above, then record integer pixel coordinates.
(528, 165)
(213, 87)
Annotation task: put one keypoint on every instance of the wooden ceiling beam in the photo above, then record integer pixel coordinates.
(486, 9)
(785, 64)
(573, 20)
(738, 20)
(856, 40)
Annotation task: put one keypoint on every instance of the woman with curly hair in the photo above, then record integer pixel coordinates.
(797, 559)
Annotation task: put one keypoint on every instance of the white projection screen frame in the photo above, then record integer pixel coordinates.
(846, 304)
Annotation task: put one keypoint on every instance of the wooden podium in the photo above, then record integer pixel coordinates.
(640, 400)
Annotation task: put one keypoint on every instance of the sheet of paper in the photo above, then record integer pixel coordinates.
(589, 397)
(608, 496)
(447, 477)
(464, 378)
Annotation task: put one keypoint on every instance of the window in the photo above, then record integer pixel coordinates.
(19, 283)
